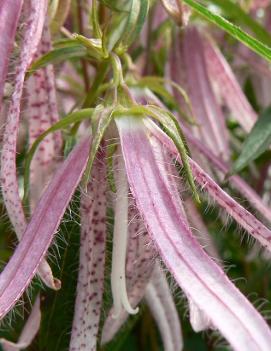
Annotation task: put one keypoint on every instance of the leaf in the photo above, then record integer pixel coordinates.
(252, 43)
(256, 143)
(234, 11)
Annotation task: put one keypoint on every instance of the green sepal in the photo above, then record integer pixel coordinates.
(102, 118)
(69, 51)
(156, 84)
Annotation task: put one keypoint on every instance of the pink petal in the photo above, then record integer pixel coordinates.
(29, 331)
(200, 278)
(233, 208)
(42, 113)
(212, 127)
(160, 301)
(92, 259)
(40, 231)
(229, 89)
(9, 183)
(235, 181)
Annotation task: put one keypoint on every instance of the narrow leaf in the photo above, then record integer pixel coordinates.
(233, 30)
(256, 143)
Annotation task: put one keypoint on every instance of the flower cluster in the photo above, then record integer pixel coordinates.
(133, 103)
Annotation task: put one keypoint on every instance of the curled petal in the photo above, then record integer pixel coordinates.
(120, 238)
(139, 267)
(200, 278)
(29, 331)
(40, 231)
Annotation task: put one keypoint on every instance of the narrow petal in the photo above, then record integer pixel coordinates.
(41, 114)
(160, 301)
(9, 182)
(40, 231)
(92, 259)
(199, 320)
(211, 121)
(29, 331)
(9, 15)
(199, 229)
(250, 223)
(229, 89)
(235, 181)
(200, 278)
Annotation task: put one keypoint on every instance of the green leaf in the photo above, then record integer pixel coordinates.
(232, 29)
(58, 55)
(256, 143)
(72, 118)
(234, 11)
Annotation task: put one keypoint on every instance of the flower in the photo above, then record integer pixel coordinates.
(131, 156)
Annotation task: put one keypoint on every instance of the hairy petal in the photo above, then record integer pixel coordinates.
(200, 278)
(92, 259)
(42, 114)
(9, 182)
(29, 331)
(9, 15)
(199, 320)
(40, 231)
(235, 181)
(249, 222)
(212, 128)
(160, 301)
(227, 85)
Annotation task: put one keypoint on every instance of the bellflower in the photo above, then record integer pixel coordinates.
(125, 145)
